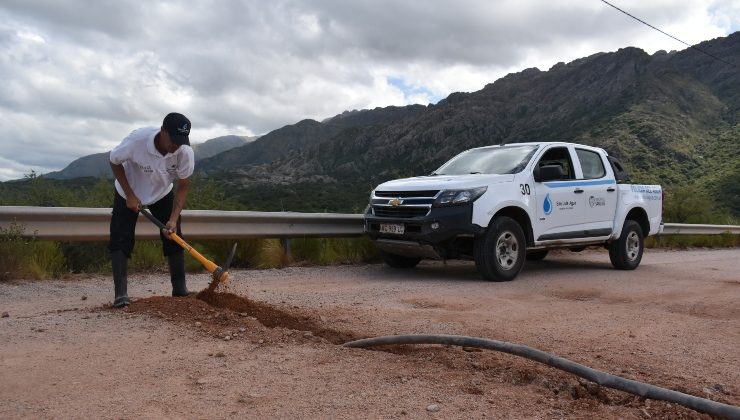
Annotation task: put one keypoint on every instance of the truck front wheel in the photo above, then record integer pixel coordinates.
(399, 261)
(626, 252)
(501, 251)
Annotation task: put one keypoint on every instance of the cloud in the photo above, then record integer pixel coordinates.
(79, 76)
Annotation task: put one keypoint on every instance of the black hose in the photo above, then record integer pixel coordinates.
(602, 378)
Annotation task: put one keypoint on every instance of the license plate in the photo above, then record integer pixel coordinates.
(394, 229)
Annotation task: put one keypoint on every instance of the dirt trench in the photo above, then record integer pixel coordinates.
(214, 312)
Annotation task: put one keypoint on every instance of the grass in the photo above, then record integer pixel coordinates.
(28, 258)
(270, 253)
(250, 253)
(22, 257)
(724, 240)
(331, 251)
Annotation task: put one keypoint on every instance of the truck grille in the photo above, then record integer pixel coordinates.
(403, 204)
(406, 194)
(400, 212)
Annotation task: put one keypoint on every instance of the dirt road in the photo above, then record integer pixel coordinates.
(675, 322)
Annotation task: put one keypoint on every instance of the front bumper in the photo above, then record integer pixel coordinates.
(451, 222)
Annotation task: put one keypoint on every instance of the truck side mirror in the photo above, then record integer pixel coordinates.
(548, 173)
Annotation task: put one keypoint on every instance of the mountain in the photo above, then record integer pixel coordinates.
(305, 134)
(218, 145)
(671, 117)
(97, 165)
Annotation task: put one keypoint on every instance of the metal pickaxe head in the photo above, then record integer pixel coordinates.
(222, 274)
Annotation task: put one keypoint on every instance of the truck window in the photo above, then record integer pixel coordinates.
(619, 172)
(489, 160)
(591, 164)
(558, 156)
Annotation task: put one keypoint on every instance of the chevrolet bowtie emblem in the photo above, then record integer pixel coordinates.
(395, 202)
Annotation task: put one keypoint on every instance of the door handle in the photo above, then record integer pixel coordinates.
(578, 191)
(610, 189)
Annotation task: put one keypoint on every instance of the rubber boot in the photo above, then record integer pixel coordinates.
(119, 261)
(177, 274)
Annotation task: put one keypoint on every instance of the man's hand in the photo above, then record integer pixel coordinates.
(133, 202)
(177, 205)
(170, 227)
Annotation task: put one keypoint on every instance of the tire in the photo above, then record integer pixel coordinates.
(500, 253)
(399, 261)
(536, 255)
(626, 252)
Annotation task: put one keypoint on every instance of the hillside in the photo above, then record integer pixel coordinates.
(671, 117)
(304, 135)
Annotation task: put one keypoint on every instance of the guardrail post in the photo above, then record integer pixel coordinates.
(286, 244)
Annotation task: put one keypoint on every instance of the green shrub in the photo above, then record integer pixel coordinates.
(11, 253)
(45, 260)
(28, 258)
(693, 204)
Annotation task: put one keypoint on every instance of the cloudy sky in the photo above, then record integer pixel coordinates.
(77, 76)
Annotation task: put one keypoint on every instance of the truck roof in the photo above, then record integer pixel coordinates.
(543, 143)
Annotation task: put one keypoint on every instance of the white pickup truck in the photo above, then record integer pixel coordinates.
(500, 205)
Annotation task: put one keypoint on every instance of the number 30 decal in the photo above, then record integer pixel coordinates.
(525, 189)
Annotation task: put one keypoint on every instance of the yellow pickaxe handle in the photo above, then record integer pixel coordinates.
(217, 272)
(208, 264)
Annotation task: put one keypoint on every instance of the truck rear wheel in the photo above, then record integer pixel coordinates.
(501, 251)
(399, 261)
(626, 252)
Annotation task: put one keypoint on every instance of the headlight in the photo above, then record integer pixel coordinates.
(455, 197)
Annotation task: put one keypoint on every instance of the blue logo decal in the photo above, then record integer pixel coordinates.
(547, 206)
(561, 184)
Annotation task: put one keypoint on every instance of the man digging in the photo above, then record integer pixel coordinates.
(145, 165)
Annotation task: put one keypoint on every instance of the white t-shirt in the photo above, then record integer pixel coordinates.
(148, 172)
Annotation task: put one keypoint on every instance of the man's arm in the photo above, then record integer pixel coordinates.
(181, 196)
(132, 201)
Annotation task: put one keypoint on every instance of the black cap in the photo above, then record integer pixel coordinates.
(178, 127)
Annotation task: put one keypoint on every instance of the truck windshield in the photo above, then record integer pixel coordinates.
(489, 160)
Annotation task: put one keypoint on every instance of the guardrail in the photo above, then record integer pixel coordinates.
(689, 229)
(92, 224)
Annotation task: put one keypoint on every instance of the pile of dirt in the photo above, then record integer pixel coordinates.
(216, 312)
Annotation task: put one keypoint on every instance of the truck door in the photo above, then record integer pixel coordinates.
(599, 193)
(559, 206)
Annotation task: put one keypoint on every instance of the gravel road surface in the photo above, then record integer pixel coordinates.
(268, 345)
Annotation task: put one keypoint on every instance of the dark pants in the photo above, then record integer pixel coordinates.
(123, 225)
